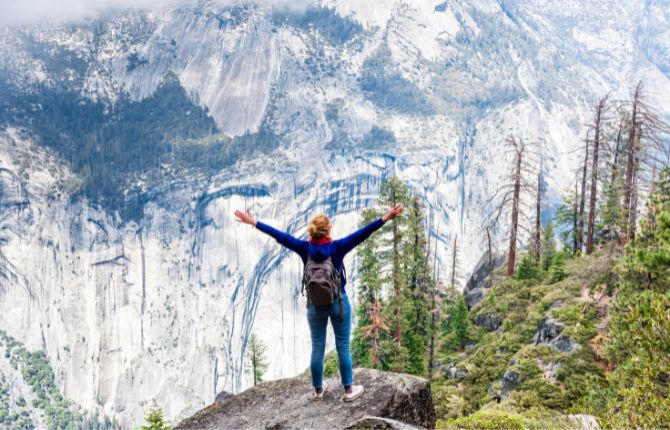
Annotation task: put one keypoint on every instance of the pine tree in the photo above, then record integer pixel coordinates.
(639, 334)
(527, 268)
(155, 419)
(419, 288)
(548, 246)
(370, 324)
(566, 216)
(256, 361)
(460, 323)
(395, 191)
(557, 268)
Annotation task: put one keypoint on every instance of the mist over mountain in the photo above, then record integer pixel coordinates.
(127, 141)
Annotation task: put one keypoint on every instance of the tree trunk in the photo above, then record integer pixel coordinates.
(453, 264)
(538, 221)
(613, 178)
(630, 162)
(511, 257)
(575, 216)
(435, 314)
(396, 286)
(594, 176)
(582, 200)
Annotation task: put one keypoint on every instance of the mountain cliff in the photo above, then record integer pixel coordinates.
(127, 141)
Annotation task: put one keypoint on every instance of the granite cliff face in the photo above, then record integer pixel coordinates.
(311, 111)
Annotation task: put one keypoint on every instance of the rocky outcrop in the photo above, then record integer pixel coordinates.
(564, 344)
(376, 423)
(454, 372)
(391, 400)
(480, 280)
(510, 380)
(547, 330)
(223, 396)
(491, 321)
(585, 422)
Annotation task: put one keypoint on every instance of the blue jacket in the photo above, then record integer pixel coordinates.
(336, 249)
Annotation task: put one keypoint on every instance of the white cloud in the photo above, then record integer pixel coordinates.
(17, 12)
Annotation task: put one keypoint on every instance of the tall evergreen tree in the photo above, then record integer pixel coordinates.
(548, 245)
(639, 334)
(459, 323)
(395, 191)
(419, 286)
(566, 217)
(370, 321)
(256, 360)
(155, 419)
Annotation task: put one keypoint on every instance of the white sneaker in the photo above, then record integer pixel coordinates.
(356, 391)
(319, 396)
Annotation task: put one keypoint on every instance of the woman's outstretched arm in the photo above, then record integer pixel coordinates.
(285, 239)
(348, 243)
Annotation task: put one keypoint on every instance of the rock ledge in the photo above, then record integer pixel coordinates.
(288, 403)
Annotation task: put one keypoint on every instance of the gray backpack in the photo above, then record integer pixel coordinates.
(322, 283)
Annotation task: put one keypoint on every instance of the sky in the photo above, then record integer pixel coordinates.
(17, 12)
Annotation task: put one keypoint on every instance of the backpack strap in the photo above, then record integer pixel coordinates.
(304, 280)
(339, 298)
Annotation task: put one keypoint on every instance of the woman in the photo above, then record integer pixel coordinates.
(319, 247)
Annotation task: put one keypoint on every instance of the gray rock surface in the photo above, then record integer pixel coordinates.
(289, 403)
(564, 344)
(586, 422)
(369, 422)
(547, 330)
(490, 321)
(222, 396)
(510, 380)
(454, 372)
(480, 280)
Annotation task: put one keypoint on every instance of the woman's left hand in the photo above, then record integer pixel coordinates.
(245, 217)
(394, 211)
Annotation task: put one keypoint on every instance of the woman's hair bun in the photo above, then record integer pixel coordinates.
(318, 227)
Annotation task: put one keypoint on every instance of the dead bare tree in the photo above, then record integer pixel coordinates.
(435, 311)
(643, 145)
(601, 109)
(582, 196)
(511, 194)
(454, 265)
(538, 219)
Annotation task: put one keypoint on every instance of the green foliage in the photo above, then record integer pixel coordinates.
(155, 419)
(37, 373)
(548, 246)
(114, 148)
(483, 420)
(331, 365)
(456, 330)
(370, 323)
(527, 268)
(14, 416)
(557, 269)
(639, 337)
(552, 382)
(566, 217)
(256, 361)
(394, 312)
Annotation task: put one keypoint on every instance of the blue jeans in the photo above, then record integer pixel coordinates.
(317, 316)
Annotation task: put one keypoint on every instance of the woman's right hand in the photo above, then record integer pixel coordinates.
(394, 211)
(245, 217)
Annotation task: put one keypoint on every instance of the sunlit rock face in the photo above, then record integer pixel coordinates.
(351, 92)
